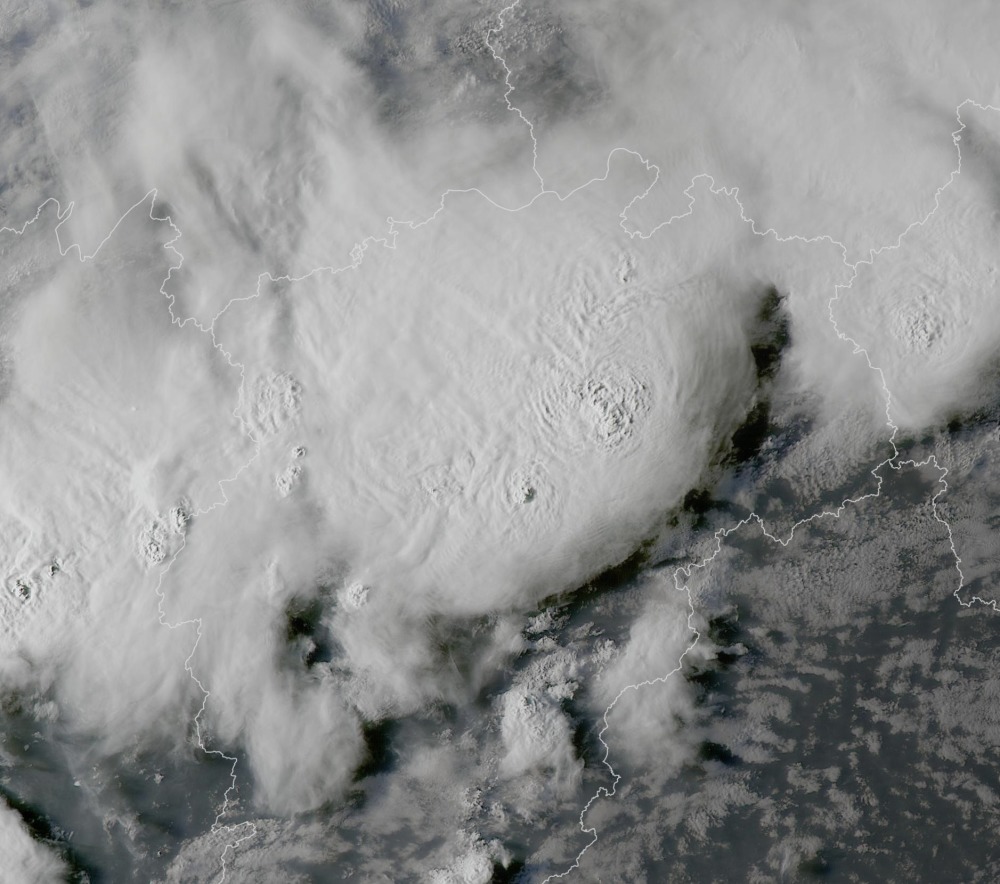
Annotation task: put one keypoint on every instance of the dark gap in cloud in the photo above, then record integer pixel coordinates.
(772, 426)
(771, 338)
(749, 438)
(586, 745)
(567, 603)
(380, 755)
(700, 510)
(820, 865)
(306, 632)
(724, 631)
(975, 421)
(706, 679)
(623, 574)
(769, 341)
(699, 503)
(716, 680)
(303, 617)
(510, 874)
(162, 208)
(716, 753)
(42, 830)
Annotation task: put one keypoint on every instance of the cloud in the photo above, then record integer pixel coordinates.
(453, 422)
(25, 860)
(303, 745)
(924, 311)
(283, 134)
(537, 735)
(110, 403)
(647, 725)
(461, 426)
(475, 863)
(807, 116)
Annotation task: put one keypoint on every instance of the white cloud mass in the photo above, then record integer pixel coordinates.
(25, 860)
(344, 348)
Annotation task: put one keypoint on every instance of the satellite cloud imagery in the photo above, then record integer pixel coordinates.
(471, 443)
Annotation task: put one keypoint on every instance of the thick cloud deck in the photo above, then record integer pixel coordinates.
(24, 858)
(115, 418)
(926, 311)
(481, 328)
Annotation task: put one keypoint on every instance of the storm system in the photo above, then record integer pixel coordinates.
(464, 443)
